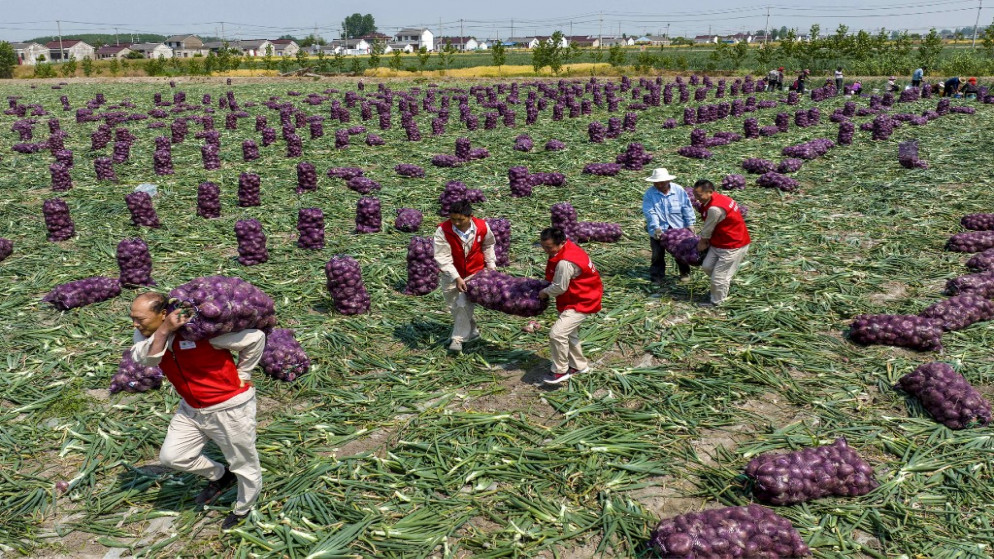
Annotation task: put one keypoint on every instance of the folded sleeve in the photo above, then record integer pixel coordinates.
(489, 252)
(714, 217)
(247, 344)
(141, 347)
(565, 272)
(443, 255)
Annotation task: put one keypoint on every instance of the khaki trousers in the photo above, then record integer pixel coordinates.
(463, 323)
(721, 264)
(564, 342)
(233, 430)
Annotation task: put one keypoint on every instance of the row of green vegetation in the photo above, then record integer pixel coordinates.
(859, 54)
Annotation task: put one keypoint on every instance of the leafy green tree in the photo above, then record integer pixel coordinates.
(358, 25)
(210, 63)
(115, 67)
(301, 57)
(597, 56)
(423, 55)
(738, 54)
(862, 48)
(841, 40)
(338, 62)
(223, 58)
(322, 60)
(195, 67)
(902, 44)
(540, 56)
(376, 54)
(987, 39)
(616, 56)
(284, 64)
(69, 67)
(930, 49)
(356, 67)
(557, 53)
(881, 43)
(446, 54)
(267, 60)
(644, 61)
(765, 55)
(499, 54)
(44, 70)
(87, 65)
(395, 63)
(788, 42)
(8, 60)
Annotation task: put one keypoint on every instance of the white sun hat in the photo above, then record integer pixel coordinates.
(660, 174)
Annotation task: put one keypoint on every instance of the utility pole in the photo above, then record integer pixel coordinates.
(116, 40)
(512, 27)
(766, 34)
(600, 37)
(980, 4)
(667, 31)
(462, 31)
(62, 53)
(222, 31)
(570, 28)
(440, 35)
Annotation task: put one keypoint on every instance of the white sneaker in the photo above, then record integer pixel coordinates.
(455, 346)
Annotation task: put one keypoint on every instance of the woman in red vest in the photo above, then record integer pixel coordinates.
(724, 235)
(218, 400)
(464, 245)
(577, 287)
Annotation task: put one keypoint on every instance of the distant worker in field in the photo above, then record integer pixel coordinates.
(838, 80)
(464, 245)
(917, 76)
(970, 90)
(801, 78)
(724, 235)
(665, 206)
(951, 87)
(773, 79)
(892, 86)
(218, 400)
(577, 288)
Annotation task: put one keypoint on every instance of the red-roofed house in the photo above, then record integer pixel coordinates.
(73, 48)
(114, 51)
(285, 47)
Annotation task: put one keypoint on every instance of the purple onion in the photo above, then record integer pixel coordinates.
(960, 311)
(61, 180)
(142, 212)
(947, 396)
(251, 242)
(104, 168)
(208, 200)
(978, 222)
(520, 182)
(456, 191)
(971, 241)
(915, 332)
(6, 248)
(367, 215)
(307, 177)
(758, 166)
(408, 220)
(294, 147)
(310, 227)
(634, 157)
(981, 284)
(503, 293)
(422, 270)
(223, 305)
(501, 228)
(753, 531)
(134, 262)
(283, 358)
(249, 190)
(408, 170)
(346, 286)
(132, 377)
(83, 292)
(57, 220)
(694, 152)
(250, 151)
(733, 182)
(809, 474)
(554, 145)
(211, 157)
(363, 185)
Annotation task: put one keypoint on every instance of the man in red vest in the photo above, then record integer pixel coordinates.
(218, 400)
(724, 235)
(464, 245)
(577, 287)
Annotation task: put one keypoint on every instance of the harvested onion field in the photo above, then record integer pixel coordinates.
(391, 448)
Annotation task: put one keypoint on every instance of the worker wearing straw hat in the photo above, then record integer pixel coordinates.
(724, 235)
(577, 287)
(464, 245)
(218, 400)
(665, 205)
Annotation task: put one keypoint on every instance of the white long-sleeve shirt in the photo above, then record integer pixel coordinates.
(566, 271)
(714, 216)
(248, 345)
(443, 252)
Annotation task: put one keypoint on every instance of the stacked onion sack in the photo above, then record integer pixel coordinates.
(83, 292)
(978, 222)
(812, 473)
(960, 311)
(6, 248)
(133, 377)
(501, 228)
(915, 332)
(564, 217)
(682, 244)
(310, 227)
(422, 270)
(507, 294)
(142, 212)
(971, 241)
(748, 532)
(208, 200)
(947, 396)
(345, 285)
(367, 215)
(57, 220)
(283, 358)
(981, 284)
(251, 242)
(408, 220)
(223, 305)
(135, 263)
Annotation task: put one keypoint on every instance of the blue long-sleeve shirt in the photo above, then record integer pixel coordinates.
(917, 75)
(666, 211)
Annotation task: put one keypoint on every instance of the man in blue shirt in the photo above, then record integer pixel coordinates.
(916, 77)
(665, 206)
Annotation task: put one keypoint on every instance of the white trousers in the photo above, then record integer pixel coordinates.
(233, 430)
(721, 264)
(463, 323)
(564, 342)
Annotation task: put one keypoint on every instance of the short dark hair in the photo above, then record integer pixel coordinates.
(704, 185)
(462, 207)
(554, 234)
(156, 301)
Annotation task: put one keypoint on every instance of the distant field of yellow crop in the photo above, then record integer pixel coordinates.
(494, 72)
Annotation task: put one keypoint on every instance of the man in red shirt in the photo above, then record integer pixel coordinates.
(577, 287)
(218, 400)
(724, 235)
(464, 245)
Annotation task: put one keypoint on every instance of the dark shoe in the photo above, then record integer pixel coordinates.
(214, 489)
(232, 520)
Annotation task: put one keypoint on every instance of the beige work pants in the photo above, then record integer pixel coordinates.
(463, 323)
(721, 264)
(233, 430)
(564, 342)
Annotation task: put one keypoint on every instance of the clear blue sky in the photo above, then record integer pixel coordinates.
(256, 19)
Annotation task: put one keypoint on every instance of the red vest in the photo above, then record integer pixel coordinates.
(584, 291)
(731, 232)
(466, 264)
(202, 374)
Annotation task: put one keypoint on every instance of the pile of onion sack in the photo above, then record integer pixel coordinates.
(915, 332)
(947, 396)
(222, 305)
(422, 270)
(507, 294)
(729, 533)
(133, 377)
(682, 244)
(83, 292)
(812, 473)
(283, 358)
(346, 286)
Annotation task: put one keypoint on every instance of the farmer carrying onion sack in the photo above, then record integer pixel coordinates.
(576, 286)
(218, 400)
(724, 235)
(665, 205)
(464, 245)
